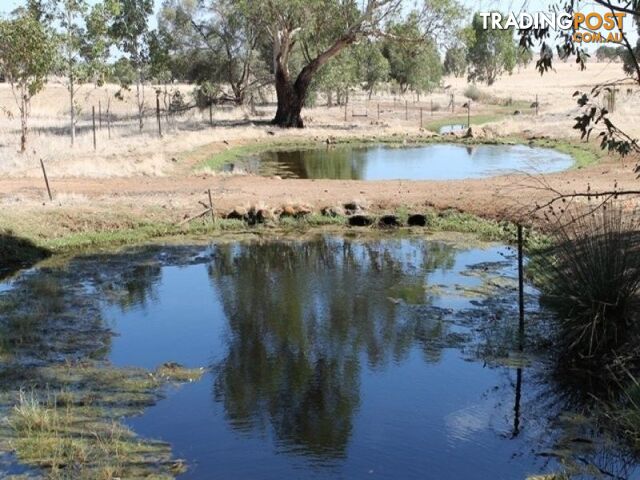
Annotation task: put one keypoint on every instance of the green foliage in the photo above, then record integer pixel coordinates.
(71, 39)
(473, 93)
(372, 66)
(414, 61)
(455, 61)
(608, 53)
(27, 56)
(440, 20)
(95, 49)
(524, 57)
(491, 52)
(631, 58)
(214, 41)
(129, 27)
(340, 75)
(27, 53)
(122, 72)
(175, 44)
(159, 58)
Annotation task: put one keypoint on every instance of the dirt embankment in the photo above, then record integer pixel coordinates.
(85, 203)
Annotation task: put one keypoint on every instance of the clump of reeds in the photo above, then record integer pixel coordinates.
(592, 277)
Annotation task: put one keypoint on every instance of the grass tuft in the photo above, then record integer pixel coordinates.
(67, 422)
(591, 276)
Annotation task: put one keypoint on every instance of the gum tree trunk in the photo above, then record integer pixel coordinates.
(292, 94)
(290, 102)
(24, 114)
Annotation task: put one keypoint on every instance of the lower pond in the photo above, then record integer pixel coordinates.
(429, 162)
(328, 357)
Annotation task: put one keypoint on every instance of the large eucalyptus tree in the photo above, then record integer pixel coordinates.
(321, 29)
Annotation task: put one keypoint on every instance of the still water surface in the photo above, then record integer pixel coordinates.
(331, 357)
(430, 162)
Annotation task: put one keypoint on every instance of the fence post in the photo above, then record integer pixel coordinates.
(109, 117)
(213, 218)
(210, 111)
(345, 111)
(378, 110)
(93, 121)
(100, 114)
(520, 288)
(432, 107)
(158, 113)
(46, 180)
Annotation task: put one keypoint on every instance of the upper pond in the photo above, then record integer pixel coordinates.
(325, 358)
(430, 162)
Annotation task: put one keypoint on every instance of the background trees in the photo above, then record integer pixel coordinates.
(455, 61)
(129, 28)
(27, 54)
(234, 49)
(413, 57)
(72, 36)
(491, 52)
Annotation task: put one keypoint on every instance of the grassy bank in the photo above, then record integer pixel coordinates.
(23, 241)
(584, 154)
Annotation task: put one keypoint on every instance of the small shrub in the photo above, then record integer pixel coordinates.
(473, 93)
(591, 275)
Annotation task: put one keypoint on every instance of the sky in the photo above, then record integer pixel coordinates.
(473, 5)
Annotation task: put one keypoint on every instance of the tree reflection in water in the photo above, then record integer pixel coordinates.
(302, 317)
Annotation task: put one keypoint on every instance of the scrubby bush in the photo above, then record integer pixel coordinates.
(592, 278)
(473, 93)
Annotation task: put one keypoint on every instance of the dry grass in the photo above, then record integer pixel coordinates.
(130, 152)
(557, 106)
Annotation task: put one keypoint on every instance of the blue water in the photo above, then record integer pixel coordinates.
(325, 358)
(430, 162)
(340, 381)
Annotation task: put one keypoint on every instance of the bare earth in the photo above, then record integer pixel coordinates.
(138, 176)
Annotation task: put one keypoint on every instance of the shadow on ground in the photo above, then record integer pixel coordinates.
(17, 253)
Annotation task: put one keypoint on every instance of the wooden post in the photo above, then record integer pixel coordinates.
(213, 218)
(158, 113)
(432, 107)
(420, 117)
(109, 117)
(345, 111)
(46, 180)
(378, 110)
(453, 103)
(520, 288)
(100, 114)
(93, 120)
